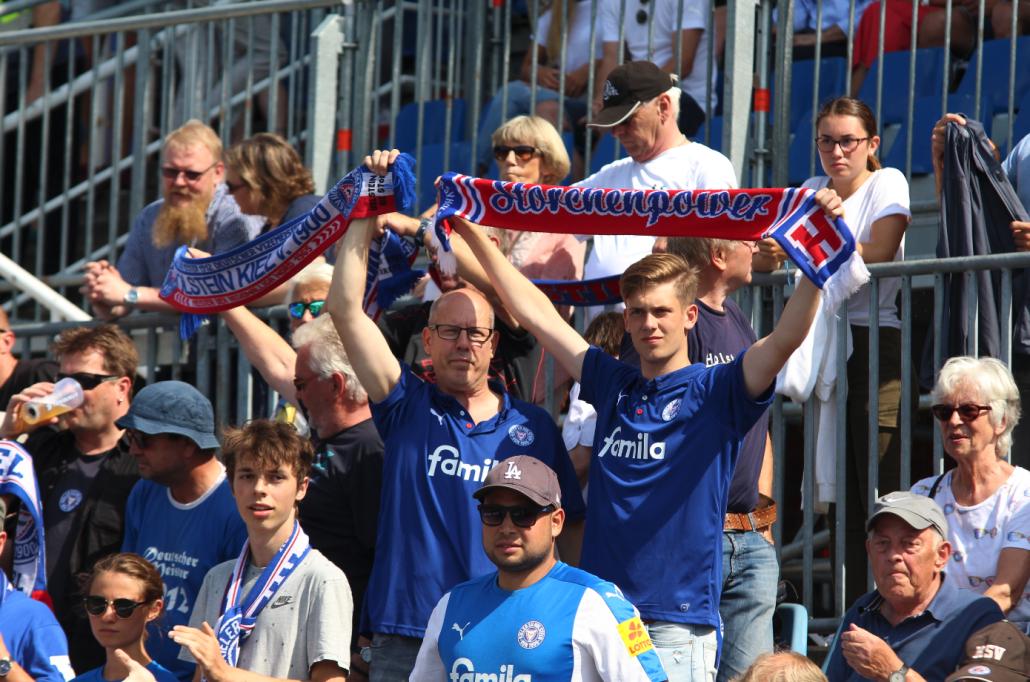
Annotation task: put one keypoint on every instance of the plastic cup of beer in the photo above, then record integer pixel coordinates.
(67, 395)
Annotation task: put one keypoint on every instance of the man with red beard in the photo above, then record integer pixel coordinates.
(197, 210)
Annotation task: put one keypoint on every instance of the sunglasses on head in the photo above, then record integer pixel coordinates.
(88, 380)
(523, 152)
(123, 608)
(523, 516)
(172, 173)
(297, 308)
(967, 412)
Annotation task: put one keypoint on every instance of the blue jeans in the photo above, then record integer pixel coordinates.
(393, 657)
(688, 652)
(749, 576)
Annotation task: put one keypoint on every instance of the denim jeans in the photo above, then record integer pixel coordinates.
(393, 657)
(749, 576)
(688, 652)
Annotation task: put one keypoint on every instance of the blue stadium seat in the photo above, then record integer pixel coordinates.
(1021, 128)
(793, 620)
(604, 152)
(928, 82)
(994, 84)
(431, 165)
(434, 126)
(802, 151)
(832, 72)
(926, 113)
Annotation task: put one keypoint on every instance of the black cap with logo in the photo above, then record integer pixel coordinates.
(629, 86)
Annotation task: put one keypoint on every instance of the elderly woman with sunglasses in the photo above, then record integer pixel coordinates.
(985, 499)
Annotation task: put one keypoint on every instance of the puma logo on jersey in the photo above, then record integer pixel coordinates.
(460, 629)
(439, 417)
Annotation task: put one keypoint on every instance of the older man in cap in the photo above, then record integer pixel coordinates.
(568, 624)
(914, 625)
(181, 516)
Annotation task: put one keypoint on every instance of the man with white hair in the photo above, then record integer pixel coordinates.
(196, 210)
(913, 626)
(641, 105)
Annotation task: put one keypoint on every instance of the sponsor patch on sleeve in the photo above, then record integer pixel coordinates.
(635, 636)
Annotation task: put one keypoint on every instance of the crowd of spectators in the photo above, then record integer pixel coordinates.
(339, 540)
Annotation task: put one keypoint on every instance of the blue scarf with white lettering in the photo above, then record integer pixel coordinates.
(18, 478)
(239, 615)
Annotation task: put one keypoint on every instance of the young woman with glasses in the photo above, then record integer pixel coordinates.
(985, 499)
(121, 596)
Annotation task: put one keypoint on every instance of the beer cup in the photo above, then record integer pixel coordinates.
(67, 396)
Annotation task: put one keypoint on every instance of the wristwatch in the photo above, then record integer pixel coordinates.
(899, 675)
(420, 233)
(131, 297)
(5, 666)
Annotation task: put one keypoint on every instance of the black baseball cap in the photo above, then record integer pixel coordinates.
(997, 653)
(627, 87)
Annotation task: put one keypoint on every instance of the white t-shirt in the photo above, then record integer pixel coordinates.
(577, 45)
(695, 15)
(688, 166)
(884, 193)
(1000, 521)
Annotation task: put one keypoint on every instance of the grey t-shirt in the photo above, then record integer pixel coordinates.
(307, 621)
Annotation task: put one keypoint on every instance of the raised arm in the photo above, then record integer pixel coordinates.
(376, 367)
(530, 307)
(764, 360)
(265, 349)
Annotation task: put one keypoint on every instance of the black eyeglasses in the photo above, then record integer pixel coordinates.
(297, 308)
(523, 152)
(451, 332)
(523, 516)
(88, 380)
(847, 144)
(123, 608)
(233, 187)
(172, 173)
(967, 412)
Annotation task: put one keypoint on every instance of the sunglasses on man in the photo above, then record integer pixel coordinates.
(523, 516)
(88, 380)
(297, 308)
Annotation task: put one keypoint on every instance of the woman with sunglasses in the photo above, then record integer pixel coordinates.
(985, 499)
(876, 209)
(122, 595)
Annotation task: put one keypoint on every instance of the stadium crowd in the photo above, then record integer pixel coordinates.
(411, 512)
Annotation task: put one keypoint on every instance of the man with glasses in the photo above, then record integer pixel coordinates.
(84, 470)
(442, 440)
(567, 623)
(196, 210)
(32, 645)
(641, 105)
(181, 517)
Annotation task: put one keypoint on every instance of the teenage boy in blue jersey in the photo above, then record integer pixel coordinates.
(441, 440)
(181, 517)
(666, 442)
(534, 617)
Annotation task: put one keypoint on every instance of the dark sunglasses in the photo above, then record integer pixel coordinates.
(523, 516)
(88, 380)
(967, 412)
(523, 152)
(123, 608)
(172, 173)
(297, 308)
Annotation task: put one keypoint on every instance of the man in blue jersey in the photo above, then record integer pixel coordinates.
(32, 644)
(666, 442)
(441, 440)
(181, 517)
(534, 617)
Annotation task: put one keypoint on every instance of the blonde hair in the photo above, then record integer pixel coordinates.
(994, 382)
(782, 666)
(657, 269)
(272, 169)
(194, 132)
(538, 132)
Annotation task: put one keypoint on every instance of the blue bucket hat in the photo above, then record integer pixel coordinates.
(172, 407)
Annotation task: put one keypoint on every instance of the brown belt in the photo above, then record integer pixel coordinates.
(759, 519)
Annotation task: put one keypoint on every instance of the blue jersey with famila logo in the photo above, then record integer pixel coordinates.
(569, 626)
(664, 452)
(429, 537)
(183, 541)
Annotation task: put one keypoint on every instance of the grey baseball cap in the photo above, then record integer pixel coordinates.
(172, 407)
(918, 511)
(526, 475)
